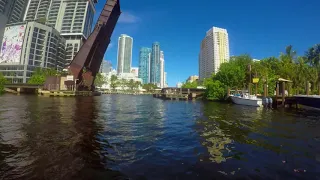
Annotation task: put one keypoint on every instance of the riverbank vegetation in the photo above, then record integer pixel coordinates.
(237, 72)
(190, 85)
(100, 80)
(149, 87)
(39, 75)
(3, 81)
(126, 85)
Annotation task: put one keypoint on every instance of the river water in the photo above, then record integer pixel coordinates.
(140, 137)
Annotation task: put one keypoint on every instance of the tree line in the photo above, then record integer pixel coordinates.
(40, 74)
(235, 74)
(126, 85)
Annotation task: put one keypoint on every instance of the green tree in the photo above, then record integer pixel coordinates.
(114, 82)
(234, 73)
(137, 84)
(313, 58)
(215, 90)
(3, 81)
(149, 87)
(100, 80)
(131, 84)
(39, 75)
(123, 84)
(193, 84)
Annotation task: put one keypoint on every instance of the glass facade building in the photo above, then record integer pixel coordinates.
(144, 64)
(155, 64)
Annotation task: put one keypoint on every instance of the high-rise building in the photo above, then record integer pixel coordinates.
(165, 80)
(106, 67)
(144, 64)
(214, 51)
(3, 17)
(11, 11)
(72, 18)
(27, 46)
(155, 64)
(162, 79)
(125, 44)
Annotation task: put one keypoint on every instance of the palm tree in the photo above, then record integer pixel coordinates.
(137, 84)
(123, 83)
(300, 74)
(313, 55)
(113, 82)
(313, 58)
(291, 54)
(131, 84)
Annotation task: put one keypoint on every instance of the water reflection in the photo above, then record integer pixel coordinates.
(131, 126)
(259, 140)
(51, 138)
(118, 136)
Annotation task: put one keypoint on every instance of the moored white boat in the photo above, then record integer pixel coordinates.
(247, 100)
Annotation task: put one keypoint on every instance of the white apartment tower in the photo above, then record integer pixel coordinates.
(125, 44)
(162, 75)
(72, 18)
(213, 52)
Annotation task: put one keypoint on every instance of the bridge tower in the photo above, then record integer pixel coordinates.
(85, 65)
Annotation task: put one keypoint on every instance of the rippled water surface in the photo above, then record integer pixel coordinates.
(139, 137)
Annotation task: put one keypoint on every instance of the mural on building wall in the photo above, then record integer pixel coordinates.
(12, 44)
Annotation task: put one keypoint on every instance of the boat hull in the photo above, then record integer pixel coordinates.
(246, 102)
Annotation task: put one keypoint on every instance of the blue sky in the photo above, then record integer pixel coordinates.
(261, 28)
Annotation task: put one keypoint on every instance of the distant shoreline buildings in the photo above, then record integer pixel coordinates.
(144, 64)
(152, 65)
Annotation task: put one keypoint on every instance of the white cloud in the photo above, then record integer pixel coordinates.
(128, 18)
(110, 46)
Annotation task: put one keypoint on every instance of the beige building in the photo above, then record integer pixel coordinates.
(213, 52)
(193, 78)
